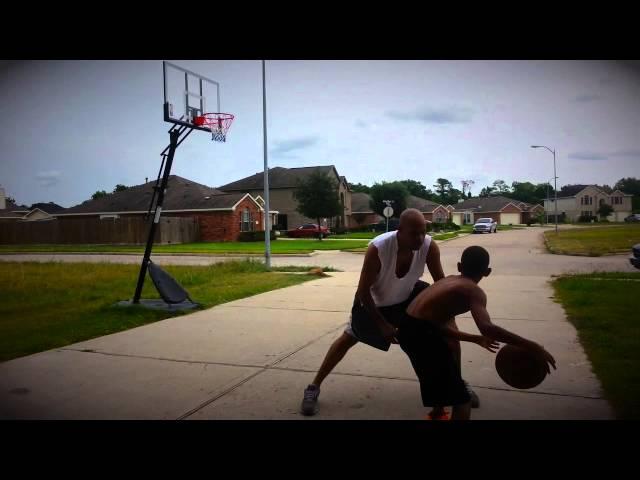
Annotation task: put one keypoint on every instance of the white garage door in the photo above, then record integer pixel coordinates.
(509, 218)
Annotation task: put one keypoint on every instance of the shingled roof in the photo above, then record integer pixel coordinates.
(486, 204)
(48, 207)
(360, 203)
(425, 206)
(182, 194)
(13, 211)
(279, 177)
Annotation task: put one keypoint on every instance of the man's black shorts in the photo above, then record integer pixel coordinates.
(365, 330)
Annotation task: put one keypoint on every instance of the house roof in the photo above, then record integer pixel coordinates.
(182, 194)
(425, 206)
(572, 190)
(279, 177)
(48, 207)
(486, 204)
(360, 203)
(13, 211)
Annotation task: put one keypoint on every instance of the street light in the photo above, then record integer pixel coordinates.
(545, 210)
(555, 185)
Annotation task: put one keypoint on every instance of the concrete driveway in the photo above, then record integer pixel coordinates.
(251, 359)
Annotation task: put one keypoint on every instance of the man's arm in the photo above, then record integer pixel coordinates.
(368, 275)
(479, 312)
(433, 261)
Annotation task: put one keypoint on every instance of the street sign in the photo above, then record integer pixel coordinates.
(388, 212)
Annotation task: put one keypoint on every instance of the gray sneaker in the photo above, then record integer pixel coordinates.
(475, 401)
(310, 400)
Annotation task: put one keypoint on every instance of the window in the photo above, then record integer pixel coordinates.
(246, 225)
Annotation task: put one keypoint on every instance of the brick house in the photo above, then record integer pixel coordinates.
(579, 200)
(503, 210)
(221, 216)
(282, 184)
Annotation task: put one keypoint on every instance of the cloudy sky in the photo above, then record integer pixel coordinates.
(73, 127)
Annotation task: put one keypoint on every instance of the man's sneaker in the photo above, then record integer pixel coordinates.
(310, 400)
(475, 401)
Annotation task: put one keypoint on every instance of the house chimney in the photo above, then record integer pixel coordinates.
(146, 179)
(3, 199)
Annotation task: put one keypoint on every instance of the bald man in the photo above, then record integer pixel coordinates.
(389, 281)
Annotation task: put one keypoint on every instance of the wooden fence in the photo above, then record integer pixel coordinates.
(126, 230)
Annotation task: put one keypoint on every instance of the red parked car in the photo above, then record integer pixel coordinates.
(308, 230)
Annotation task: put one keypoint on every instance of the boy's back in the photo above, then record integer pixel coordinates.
(445, 299)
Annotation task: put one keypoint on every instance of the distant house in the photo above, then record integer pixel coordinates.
(432, 211)
(503, 210)
(43, 211)
(363, 215)
(585, 200)
(282, 184)
(9, 210)
(220, 215)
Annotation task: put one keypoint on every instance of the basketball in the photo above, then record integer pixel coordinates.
(519, 367)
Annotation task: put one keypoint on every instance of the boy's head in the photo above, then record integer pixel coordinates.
(474, 263)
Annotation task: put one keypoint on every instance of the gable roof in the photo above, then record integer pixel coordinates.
(486, 204)
(360, 203)
(422, 204)
(279, 177)
(48, 207)
(182, 194)
(13, 210)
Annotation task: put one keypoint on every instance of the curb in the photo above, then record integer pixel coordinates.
(260, 255)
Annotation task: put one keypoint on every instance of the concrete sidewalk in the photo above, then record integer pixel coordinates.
(252, 358)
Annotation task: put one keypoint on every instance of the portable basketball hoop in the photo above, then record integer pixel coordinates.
(218, 123)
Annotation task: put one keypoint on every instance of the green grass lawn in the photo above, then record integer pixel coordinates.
(200, 248)
(593, 241)
(603, 308)
(50, 305)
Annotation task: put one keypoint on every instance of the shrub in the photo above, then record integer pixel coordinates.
(255, 236)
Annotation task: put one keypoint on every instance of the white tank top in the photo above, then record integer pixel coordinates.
(388, 289)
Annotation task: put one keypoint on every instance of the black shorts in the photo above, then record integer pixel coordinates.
(364, 328)
(434, 363)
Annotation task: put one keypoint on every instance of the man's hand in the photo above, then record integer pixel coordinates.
(389, 332)
(488, 343)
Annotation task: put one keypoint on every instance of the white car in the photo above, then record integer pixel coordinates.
(487, 225)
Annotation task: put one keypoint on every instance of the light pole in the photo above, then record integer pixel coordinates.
(555, 185)
(545, 210)
(267, 218)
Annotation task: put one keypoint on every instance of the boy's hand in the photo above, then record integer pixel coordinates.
(546, 356)
(488, 343)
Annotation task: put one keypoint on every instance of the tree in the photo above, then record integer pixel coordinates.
(397, 192)
(99, 194)
(629, 185)
(605, 210)
(486, 191)
(469, 194)
(452, 197)
(317, 197)
(10, 200)
(501, 186)
(442, 187)
(119, 188)
(524, 191)
(359, 188)
(417, 189)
